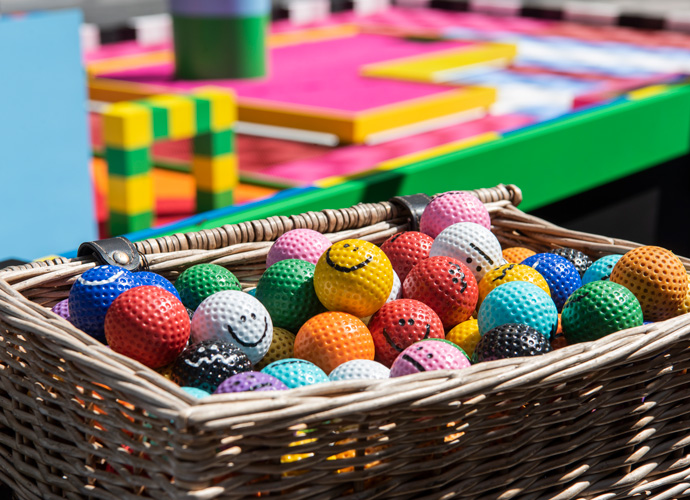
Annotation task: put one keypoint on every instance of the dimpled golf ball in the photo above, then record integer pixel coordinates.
(301, 244)
(472, 244)
(237, 318)
(575, 257)
(153, 279)
(353, 276)
(282, 346)
(684, 306)
(510, 340)
(405, 250)
(197, 393)
(465, 335)
(518, 302)
(286, 289)
(445, 285)
(207, 364)
(296, 372)
(396, 289)
(92, 294)
(450, 208)
(427, 356)
(332, 338)
(507, 273)
(400, 324)
(251, 382)
(601, 269)
(203, 280)
(597, 309)
(515, 255)
(656, 277)
(148, 324)
(62, 309)
(559, 273)
(359, 369)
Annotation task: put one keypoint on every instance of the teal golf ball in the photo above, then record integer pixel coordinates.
(601, 269)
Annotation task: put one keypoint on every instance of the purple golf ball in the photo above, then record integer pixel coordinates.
(301, 244)
(62, 309)
(251, 382)
(427, 356)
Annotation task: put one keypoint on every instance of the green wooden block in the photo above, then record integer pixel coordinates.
(124, 223)
(210, 201)
(203, 114)
(214, 143)
(159, 116)
(127, 163)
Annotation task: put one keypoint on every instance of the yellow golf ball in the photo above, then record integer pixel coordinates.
(353, 276)
(281, 347)
(465, 335)
(507, 273)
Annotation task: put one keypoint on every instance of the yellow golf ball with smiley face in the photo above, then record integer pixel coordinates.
(353, 276)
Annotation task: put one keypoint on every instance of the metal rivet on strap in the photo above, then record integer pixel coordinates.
(121, 257)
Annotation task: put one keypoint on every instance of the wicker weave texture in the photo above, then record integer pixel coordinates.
(600, 420)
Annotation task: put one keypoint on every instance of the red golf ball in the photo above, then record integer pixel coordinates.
(401, 323)
(446, 285)
(147, 324)
(406, 250)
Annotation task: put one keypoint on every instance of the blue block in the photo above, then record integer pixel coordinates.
(44, 148)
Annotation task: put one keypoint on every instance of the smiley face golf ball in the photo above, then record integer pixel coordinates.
(237, 318)
(656, 277)
(450, 208)
(446, 285)
(207, 364)
(598, 309)
(353, 276)
(286, 289)
(518, 302)
(510, 340)
(429, 355)
(359, 369)
(561, 275)
(91, 296)
(601, 269)
(148, 324)
(507, 273)
(401, 323)
(295, 372)
(405, 250)
(203, 280)
(250, 382)
(302, 244)
(472, 244)
(332, 338)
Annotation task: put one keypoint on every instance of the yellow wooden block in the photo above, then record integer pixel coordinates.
(215, 174)
(223, 106)
(130, 195)
(127, 125)
(181, 115)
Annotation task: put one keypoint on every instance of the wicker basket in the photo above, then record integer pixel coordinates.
(599, 420)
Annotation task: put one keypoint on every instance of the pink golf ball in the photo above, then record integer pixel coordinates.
(451, 208)
(302, 244)
(425, 356)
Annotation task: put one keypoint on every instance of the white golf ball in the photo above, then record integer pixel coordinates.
(234, 317)
(472, 244)
(359, 369)
(396, 291)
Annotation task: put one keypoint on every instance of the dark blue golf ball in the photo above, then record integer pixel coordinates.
(153, 279)
(561, 275)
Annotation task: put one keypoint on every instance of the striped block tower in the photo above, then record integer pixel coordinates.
(220, 38)
(129, 130)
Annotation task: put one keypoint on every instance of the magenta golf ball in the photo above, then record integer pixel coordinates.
(302, 244)
(428, 355)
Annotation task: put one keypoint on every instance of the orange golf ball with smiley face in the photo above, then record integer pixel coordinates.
(353, 276)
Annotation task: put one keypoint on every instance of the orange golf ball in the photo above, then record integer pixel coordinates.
(332, 338)
(517, 254)
(353, 276)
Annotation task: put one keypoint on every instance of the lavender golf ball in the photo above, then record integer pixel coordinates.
(251, 382)
(62, 309)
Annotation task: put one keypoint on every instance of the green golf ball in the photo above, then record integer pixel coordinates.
(286, 289)
(203, 280)
(598, 309)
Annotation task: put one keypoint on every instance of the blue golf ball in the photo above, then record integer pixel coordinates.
(153, 279)
(561, 275)
(92, 294)
(295, 372)
(601, 269)
(518, 302)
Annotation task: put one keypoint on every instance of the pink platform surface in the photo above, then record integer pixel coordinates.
(320, 75)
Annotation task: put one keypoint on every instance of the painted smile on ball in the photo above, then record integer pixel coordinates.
(249, 344)
(344, 269)
(414, 363)
(400, 349)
